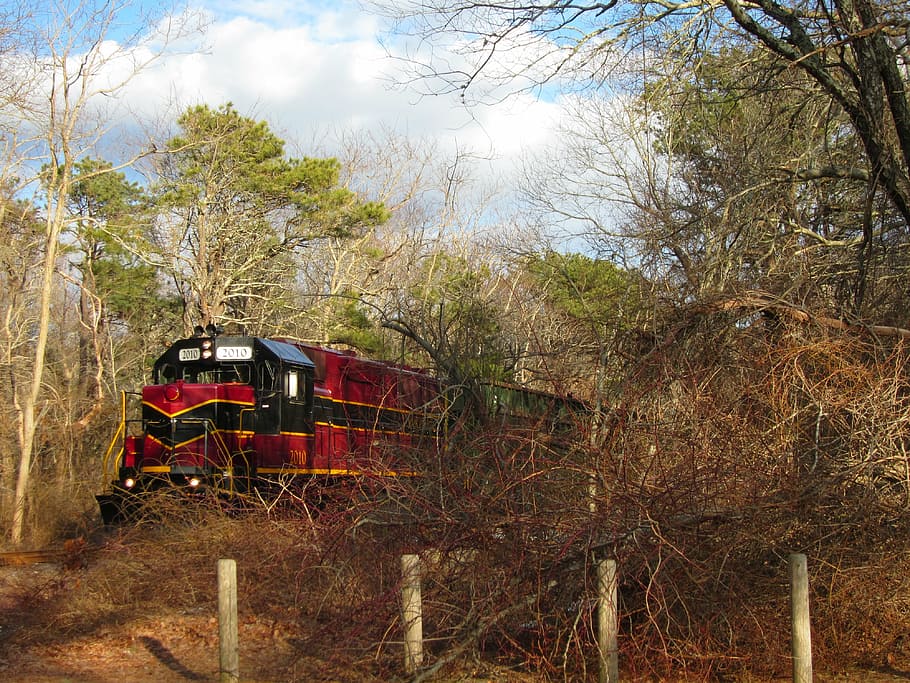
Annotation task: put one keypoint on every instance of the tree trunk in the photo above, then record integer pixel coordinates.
(32, 391)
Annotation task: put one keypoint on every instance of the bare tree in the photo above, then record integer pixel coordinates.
(67, 54)
(855, 53)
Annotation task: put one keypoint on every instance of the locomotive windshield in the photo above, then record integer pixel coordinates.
(197, 373)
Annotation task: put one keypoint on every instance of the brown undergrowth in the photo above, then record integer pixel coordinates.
(723, 455)
(319, 601)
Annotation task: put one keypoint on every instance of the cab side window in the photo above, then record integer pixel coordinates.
(291, 385)
(298, 388)
(268, 377)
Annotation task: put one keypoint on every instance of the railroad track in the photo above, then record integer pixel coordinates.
(26, 557)
(70, 555)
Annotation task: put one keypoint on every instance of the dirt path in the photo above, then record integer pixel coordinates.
(181, 645)
(175, 646)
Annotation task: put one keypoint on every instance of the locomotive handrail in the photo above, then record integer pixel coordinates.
(210, 428)
(244, 412)
(220, 443)
(110, 462)
(106, 469)
(218, 439)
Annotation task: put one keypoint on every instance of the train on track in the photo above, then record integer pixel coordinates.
(237, 415)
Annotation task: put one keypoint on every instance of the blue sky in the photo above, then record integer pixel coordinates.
(312, 69)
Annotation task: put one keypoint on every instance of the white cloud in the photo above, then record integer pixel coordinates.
(309, 69)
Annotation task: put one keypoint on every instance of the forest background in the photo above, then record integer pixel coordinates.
(714, 258)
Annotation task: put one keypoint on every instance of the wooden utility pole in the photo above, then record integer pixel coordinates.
(229, 648)
(411, 612)
(801, 637)
(607, 621)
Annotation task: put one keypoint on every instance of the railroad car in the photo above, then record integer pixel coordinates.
(232, 413)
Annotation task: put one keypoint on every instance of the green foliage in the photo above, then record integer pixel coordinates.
(586, 289)
(23, 233)
(230, 164)
(110, 220)
(462, 320)
(243, 206)
(103, 198)
(717, 94)
(131, 291)
(353, 325)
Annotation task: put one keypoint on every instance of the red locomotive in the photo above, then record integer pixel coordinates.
(228, 413)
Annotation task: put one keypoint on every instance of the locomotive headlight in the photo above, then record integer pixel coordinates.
(129, 483)
(194, 482)
(207, 354)
(207, 344)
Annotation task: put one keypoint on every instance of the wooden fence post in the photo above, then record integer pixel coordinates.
(800, 637)
(229, 649)
(411, 612)
(607, 621)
